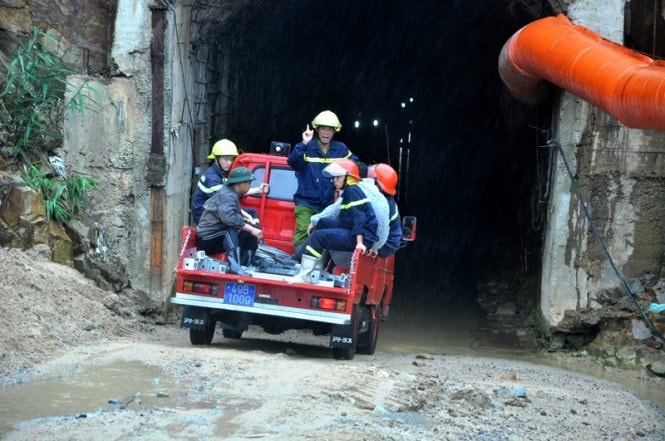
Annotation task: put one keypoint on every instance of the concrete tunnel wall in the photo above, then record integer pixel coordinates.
(616, 167)
(144, 199)
(620, 172)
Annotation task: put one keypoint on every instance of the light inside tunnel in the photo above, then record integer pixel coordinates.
(424, 74)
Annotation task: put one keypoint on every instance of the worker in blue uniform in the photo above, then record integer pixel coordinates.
(223, 154)
(386, 179)
(354, 229)
(308, 158)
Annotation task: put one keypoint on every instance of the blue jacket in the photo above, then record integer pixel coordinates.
(395, 233)
(315, 190)
(211, 181)
(357, 215)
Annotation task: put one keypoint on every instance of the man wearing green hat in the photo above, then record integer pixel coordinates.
(222, 226)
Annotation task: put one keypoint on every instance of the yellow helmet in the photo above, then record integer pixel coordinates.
(223, 147)
(327, 118)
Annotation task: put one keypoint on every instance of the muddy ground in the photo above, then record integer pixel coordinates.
(77, 362)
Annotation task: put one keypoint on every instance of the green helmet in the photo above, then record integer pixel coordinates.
(238, 175)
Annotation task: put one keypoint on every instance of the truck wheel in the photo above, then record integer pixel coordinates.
(203, 336)
(367, 340)
(347, 353)
(231, 333)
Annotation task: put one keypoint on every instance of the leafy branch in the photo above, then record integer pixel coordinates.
(32, 99)
(63, 198)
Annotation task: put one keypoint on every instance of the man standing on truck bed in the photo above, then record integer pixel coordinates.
(222, 226)
(308, 158)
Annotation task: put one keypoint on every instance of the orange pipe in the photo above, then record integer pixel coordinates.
(628, 85)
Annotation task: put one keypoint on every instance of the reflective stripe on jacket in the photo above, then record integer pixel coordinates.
(379, 205)
(315, 190)
(395, 232)
(357, 215)
(209, 183)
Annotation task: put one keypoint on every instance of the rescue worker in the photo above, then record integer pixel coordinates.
(377, 200)
(222, 226)
(223, 154)
(308, 158)
(355, 228)
(386, 178)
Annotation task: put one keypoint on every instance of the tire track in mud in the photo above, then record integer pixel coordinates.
(386, 390)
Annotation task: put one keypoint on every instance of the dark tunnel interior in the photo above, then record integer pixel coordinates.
(471, 169)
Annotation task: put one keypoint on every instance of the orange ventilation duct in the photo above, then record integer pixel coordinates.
(628, 85)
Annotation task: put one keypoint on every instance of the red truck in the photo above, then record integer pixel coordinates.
(347, 303)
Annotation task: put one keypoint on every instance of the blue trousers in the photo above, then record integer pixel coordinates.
(330, 235)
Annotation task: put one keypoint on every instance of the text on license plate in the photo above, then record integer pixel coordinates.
(239, 294)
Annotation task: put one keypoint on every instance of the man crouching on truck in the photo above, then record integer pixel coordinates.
(355, 228)
(222, 226)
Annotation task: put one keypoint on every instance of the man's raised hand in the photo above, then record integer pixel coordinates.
(307, 135)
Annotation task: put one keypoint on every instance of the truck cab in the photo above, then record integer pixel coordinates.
(350, 299)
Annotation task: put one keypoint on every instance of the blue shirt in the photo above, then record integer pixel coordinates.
(395, 230)
(357, 215)
(315, 190)
(211, 181)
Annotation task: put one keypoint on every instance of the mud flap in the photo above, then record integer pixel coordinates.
(194, 317)
(342, 336)
(346, 336)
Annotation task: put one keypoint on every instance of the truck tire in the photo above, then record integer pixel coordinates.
(203, 336)
(347, 353)
(367, 340)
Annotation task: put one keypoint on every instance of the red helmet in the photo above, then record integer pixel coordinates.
(385, 176)
(343, 167)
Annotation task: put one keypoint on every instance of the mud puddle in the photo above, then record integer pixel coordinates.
(120, 385)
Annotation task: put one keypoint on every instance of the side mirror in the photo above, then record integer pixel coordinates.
(409, 228)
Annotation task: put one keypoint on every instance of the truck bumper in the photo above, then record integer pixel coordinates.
(265, 309)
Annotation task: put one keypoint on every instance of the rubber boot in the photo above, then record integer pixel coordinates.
(247, 257)
(234, 263)
(238, 255)
(310, 270)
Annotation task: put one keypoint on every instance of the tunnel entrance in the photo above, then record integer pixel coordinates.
(416, 85)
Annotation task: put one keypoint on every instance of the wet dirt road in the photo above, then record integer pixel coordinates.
(158, 386)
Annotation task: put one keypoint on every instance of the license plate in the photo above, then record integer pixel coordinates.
(240, 294)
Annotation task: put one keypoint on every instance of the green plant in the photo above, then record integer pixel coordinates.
(32, 107)
(32, 97)
(63, 198)
(536, 321)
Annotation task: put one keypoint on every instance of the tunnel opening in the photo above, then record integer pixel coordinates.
(644, 27)
(415, 85)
